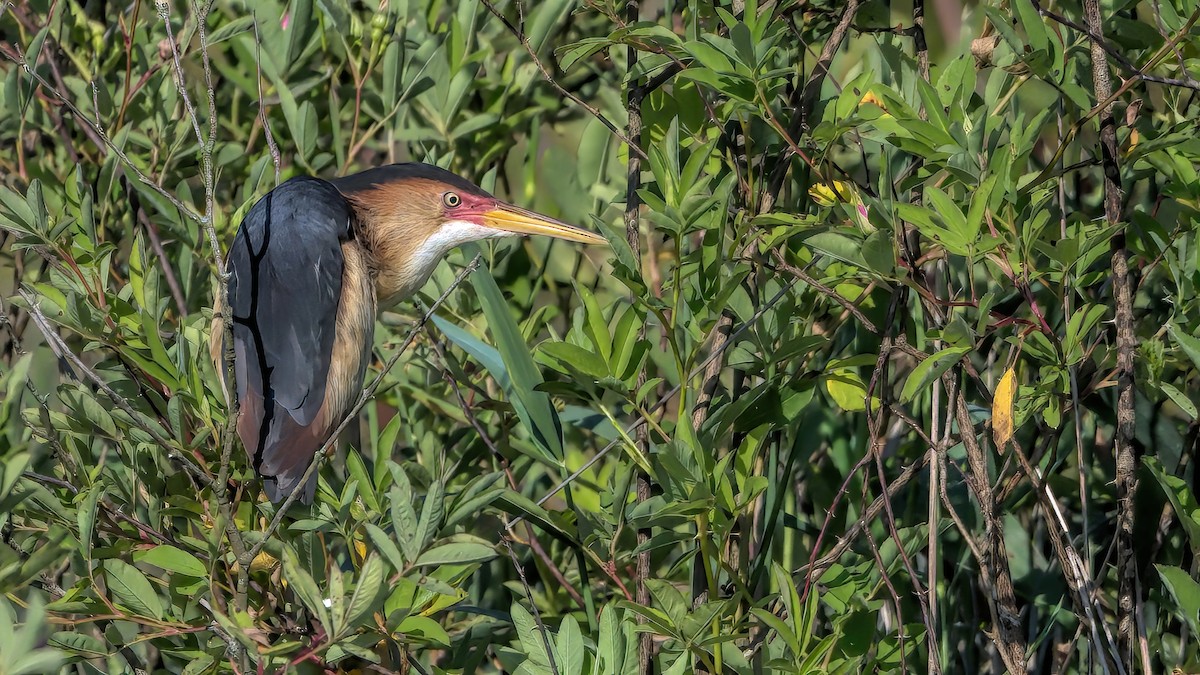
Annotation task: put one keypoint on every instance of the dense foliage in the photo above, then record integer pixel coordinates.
(890, 366)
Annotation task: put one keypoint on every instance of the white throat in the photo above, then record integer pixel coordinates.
(426, 257)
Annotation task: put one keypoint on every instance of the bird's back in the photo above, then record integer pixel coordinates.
(286, 277)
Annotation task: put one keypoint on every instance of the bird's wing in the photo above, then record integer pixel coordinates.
(284, 288)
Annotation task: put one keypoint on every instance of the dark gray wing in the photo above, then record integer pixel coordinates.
(284, 287)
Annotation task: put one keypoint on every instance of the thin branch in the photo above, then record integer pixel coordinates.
(1126, 453)
(262, 111)
(537, 615)
(1094, 33)
(164, 14)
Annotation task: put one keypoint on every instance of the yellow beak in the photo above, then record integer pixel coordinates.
(523, 221)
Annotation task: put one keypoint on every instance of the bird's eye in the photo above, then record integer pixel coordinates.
(451, 200)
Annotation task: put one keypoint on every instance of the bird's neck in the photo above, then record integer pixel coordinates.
(403, 251)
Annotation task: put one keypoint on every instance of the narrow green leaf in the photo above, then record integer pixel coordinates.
(530, 635)
(385, 546)
(456, 554)
(431, 515)
(929, 370)
(533, 407)
(1186, 592)
(130, 588)
(1189, 344)
(172, 559)
(368, 591)
(570, 646)
(306, 588)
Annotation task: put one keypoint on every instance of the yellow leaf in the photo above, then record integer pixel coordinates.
(873, 99)
(263, 562)
(1002, 410)
(828, 194)
(361, 548)
(847, 390)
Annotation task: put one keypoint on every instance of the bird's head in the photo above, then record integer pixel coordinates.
(410, 215)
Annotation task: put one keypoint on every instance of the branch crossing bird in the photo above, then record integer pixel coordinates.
(312, 264)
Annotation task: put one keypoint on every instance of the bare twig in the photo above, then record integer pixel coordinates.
(262, 110)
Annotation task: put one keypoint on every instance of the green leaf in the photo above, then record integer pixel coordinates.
(130, 588)
(576, 358)
(569, 646)
(929, 370)
(87, 517)
(1031, 21)
(1180, 495)
(847, 389)
(404, 518)
(1186, 592)
(533, 407)
(306, 588)
(431, 515)
(530, 635)
(1180, 399)
(459, 553)
(385, 545)
(1190, 345)
(80, 643)
(172, 559)
(369, 592)
(425, 628)
(610, 646)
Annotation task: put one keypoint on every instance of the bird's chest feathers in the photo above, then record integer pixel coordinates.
(405, 257)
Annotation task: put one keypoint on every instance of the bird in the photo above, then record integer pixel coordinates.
(312, 264)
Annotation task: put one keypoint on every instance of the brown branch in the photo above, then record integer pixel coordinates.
(1126, 454)
(633, 183)
(996, 576)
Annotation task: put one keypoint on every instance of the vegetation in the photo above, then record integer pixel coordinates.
(890, 366)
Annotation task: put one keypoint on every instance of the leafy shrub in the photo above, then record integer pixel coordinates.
(889, 365)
